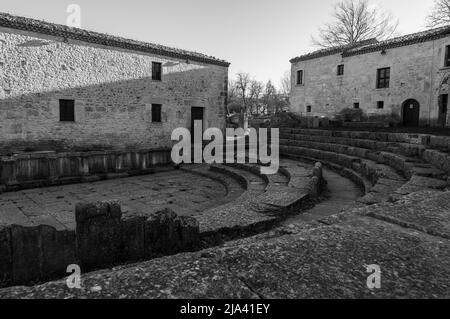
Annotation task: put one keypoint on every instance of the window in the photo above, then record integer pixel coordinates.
(309, 109)
(300, 77)
(156, 113)
(447, 56)
(380, 105)
(67, 110)
(156, 71)
(356, 105)
(383, 78)
(340, 70)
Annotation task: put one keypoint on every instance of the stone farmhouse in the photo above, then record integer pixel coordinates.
(75, 87)
(408, 76)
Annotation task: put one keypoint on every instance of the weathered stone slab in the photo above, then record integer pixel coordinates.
(439, 159)
(6, 275)
(58, 250)
(26, 254)
(440, 142)
(132, 237)
(98, 233)
(165, 233)
(426, 210)
(316, 262)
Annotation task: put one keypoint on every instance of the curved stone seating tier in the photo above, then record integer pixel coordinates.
(431, 149)
(378, 181)
(42, 251)
(385, 165)
(407, 166)
(267, 201)
(233, 184)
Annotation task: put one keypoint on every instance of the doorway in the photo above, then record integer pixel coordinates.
(197, 114)
(411, 113)
(443, 110)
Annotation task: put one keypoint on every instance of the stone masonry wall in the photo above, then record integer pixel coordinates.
(112, 88)
(417, 72)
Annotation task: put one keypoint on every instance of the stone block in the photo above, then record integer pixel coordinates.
(26, 254)
(132, 237)
(314, 187)
(440, 142)
(98, 233)
(6, 275)
(166, 233)
(58, 251)
(190, 233)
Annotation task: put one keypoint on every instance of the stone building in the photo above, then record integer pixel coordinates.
(73, 87)
(408, 76)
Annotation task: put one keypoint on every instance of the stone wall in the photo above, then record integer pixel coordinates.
(103, 238)
(112, 88)
(417, 72)
(49, 168)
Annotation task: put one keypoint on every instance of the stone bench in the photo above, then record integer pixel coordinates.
(378, 181)
(408, 166)
(257, 211)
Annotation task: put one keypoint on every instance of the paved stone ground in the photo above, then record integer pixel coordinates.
(315, 260)
(183, 192)
(312, 257)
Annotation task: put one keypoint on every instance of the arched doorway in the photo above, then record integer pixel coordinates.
(443, 101)
(411, 113)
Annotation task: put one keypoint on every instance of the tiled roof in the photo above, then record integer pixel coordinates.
(42, 27)
(374, 46)
(409, 39)
(332, 51)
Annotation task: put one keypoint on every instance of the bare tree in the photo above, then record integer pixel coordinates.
(440, 15)
(255, 91)
(243, 82)
(355, 21)
(286, 83)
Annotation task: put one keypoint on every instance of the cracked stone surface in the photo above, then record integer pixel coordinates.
(427, 211)
(307, 260)
(55, 206)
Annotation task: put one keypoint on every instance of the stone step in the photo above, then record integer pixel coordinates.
(274, 179)
(438, 158)
(407, 166)
(418, 183)
(234, 188)
(261, 207)
(342, 155)
(409, 138)
(250, 180)
(426, 210)
(402, 148)
(377, 180)
(364, 184)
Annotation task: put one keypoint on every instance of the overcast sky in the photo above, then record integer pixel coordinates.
(256, 36)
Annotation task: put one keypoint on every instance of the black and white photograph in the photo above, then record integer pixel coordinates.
(224, 155)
